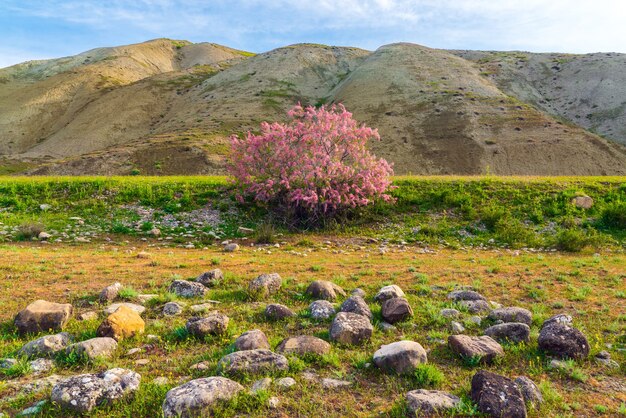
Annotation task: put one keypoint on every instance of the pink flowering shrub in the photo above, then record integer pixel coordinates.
(313, 167)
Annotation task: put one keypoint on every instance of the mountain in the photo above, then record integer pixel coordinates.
(168, 107)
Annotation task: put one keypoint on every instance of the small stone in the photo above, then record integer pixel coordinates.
(133, 351)
(349, 328)
(7, 363)
(155, 232)
(401, 357)
(214, 324)
(389, 292)
(515, 332)
(41, 366)
(485, 347)
(265, 285)
(582, 202)
(172, 308)
(387, 327)
(450, 313)
(357, 305)
(197, 397)
(161, 381)
(88, 316)
(245, 231)
(110, 293)
(33, 410)
(230, 248)
(143, 255)
(321, 289)
(201, 366)
(262, 384)
(202, 307)
(187, 289)
(211, 278)
(100, 347)
(43, 316)
(114, 307)
(497, 396)
(512, 314)
(252, 340)
(427, 403)
(475, 306)
(145, 297)
(475, 319)
(396, 310)
(604, 358)
(276, 312)
(142, 362)
(123, 323)
(530, 391)
(302, 345)
(285, 382)
(273, 402)
(459, 295)
(358, 292)
(44, 236)
(46, 346)
(252, 362)
(329, 383)
(321, 309)
(456, 327)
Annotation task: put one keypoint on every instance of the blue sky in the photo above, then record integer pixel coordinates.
(37, 29)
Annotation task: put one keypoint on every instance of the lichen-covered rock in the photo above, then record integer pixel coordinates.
(213, 324)
(43, 316)
(93, 348)
(83, 392)
(497, 396)
(357, 305)
(303, 344)
(276, 312)
(564, 319)
(46, 346)
(530, 391)
(515, 332)
(252, 362)
(321, 309)
(322, 289)
(485, 347)
(396, 310)
(389, 292)
(123, 323)
(110, 293)
(197, 397)
(211, 278)
(428, 403)
(114, 307)
(459, 295)
(252, 340)
(172, 309)
(401, 357)
(265, 285)
(350, 328)
(512, 314)
(475, 306)
(563, 341)
(450, 313)
(187, 289)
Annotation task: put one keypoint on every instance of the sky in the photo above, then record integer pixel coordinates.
(40, 29)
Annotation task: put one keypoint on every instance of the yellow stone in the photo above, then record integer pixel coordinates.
(123, 323)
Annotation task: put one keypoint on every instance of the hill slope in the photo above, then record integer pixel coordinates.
(166, 106)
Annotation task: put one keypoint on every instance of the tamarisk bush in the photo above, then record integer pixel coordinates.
(311, 168)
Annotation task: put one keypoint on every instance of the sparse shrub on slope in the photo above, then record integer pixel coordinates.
(614, 215)
(312, 168)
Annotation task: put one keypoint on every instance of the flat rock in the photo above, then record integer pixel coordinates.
(46, 346)
(303, 344)
(357, 305)
(213, 324)
(172, 308)
(401, 357)
(512, 314)
(187, 289)
(276, 312)
(329, 383)
(497, 396)
(322, 289)
(396, 310)
(114, 307)
(87, 316)
(252, 340)
(285, 382)
(197, 397)
(211, 278)
(515, 332)
(350, 328)
(252, 362)
(450, 313)
(103, 347)
(82, 393)
(563, 341)
(123, 323)
(389, 292)
(110, 293)
(202, 307)
(41, 366)
(43, 316)
(427, 403)
(467, 346)
(475, 306)
(265, 284)
(459, 295)
(529, 390)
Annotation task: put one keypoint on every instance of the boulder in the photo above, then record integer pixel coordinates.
(350, 328)
(83, 392)
(357, 305)
(396, 310)
(497, 396)
(428, 403)
(321, 309)
(252, 362)
(563, 341)
(197, 397)
(321, 289)
(303, 344)
(172, 308)
(276, 312)
(123, 323)
(512, 314)
(213, 324)
(265, 284)
(46, 346)
(211, 278)
(110, 293)
(43, 316)
(530, 391)
(187, 289)
(389, 292)
(475, 306)
(459, 295)
(515, 332)
(401, 357)
(114, 307)
(102, 347)
(252, 340)
(485, 347)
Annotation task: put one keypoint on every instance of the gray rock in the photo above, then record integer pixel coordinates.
(265, 285)
(252, 362)
(145, 297)
(276, 312)
(389, 292)
(457, 327)
(512, 314)
(172, 308)
(563, 341)
(114, 307)
(427, 403)
(321, 309)
(450, 313)
(285, 382)
(88, 316)
(33, 410)
(497, 396)
(475, 319)
(349, 328)
(357, 305)
(459, 295)
(202, 307)
(475, 306)
(41, 366)
(515, 332)
(211, 278)
(43, 316)
(530, 391)
(582, 202)
(358, 292)
(7, 363)
(396, 310)
(401, 357)
(213, 324)
(303, 344)
(252, 340)
(103, 347)
(328, 383)
(558, 319)
(187, 289)
(197, 397)
(273, 402)
(110, 293)
(46, 346)
(262, 384)
(387, 327)
(321, 289)
(82, 393)
(201, 366)
(485, 347)
(230, 248)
